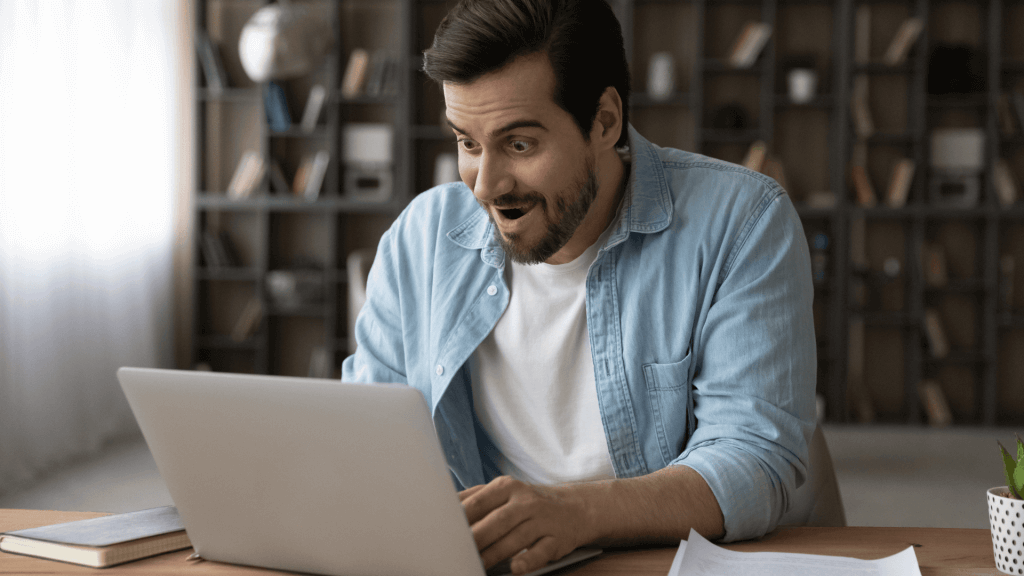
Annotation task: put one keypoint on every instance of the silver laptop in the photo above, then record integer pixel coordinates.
(305, 474)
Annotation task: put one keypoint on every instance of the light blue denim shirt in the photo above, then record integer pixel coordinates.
(699, 314)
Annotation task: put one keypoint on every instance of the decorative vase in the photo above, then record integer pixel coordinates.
(1006, 517)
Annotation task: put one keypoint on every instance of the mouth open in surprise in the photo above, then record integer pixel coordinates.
(511, 213)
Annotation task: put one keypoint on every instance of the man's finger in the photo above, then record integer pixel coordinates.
(487, 498)
(470, 491)
(498, 524)
(515, 540)
(537, 556)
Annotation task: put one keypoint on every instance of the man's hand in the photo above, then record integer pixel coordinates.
(547, 522)
(508, 516)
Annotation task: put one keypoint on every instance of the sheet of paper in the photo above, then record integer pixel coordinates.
(698, 557)
(678, 560)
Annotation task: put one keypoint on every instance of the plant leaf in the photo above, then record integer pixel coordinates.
(1020, 447)
(1018, 477)
(1009, 468)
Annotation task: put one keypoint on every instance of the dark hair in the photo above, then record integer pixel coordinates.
(582, 39)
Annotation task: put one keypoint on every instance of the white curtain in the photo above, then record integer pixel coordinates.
(87, 192)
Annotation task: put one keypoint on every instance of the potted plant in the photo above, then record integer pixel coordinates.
(1005, 510)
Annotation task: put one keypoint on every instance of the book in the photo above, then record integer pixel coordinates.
(104, 541)
(211, 63)
(249, 320)
(248, 175)
(355, 73)
(218, 250)
(314, 105)
(863, 123)
(899, 183)
(904, 39)
(754, 160)
(226, 248)
(383, 75)
(749, 44)
(278, 183)
(310, 176)
(938, 346)
(208, 247)
(316, 175)
(1005, 183)
(935, 404)
(862, 186)
(302, 176)
(275, 102)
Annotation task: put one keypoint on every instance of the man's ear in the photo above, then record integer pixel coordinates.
(608, 121)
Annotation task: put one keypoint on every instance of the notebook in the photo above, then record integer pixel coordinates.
(304, 474)
(104, 541)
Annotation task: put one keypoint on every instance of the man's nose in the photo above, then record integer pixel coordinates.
(492, 178)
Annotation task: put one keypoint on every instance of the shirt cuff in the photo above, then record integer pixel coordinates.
(750, 495)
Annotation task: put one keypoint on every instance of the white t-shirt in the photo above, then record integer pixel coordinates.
(533, 377)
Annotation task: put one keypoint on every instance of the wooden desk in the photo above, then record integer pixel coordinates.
(940, 551)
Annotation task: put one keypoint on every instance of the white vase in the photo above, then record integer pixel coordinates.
(1006, 517)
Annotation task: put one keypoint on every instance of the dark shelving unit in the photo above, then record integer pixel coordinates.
(815, 142)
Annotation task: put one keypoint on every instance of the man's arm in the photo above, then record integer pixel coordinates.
(380, 356)
(754, 407)
(548, 522)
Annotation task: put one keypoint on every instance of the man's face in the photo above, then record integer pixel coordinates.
(523, 156)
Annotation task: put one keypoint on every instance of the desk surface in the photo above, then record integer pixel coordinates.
(940, 551)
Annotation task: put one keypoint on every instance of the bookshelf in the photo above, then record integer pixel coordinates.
(872, 288)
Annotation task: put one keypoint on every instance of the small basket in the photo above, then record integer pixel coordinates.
(1006, 517)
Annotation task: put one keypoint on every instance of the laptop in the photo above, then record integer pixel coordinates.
(305, 474)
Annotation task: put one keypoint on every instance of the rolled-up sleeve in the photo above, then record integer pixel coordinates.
(754, 382)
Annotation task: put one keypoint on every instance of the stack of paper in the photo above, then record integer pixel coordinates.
(698, 557)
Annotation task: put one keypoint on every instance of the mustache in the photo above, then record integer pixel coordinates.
(515, 199)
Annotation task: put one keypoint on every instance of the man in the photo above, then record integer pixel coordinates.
(615, 339)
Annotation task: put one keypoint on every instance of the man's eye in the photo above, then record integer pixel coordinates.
(520, 146)
(466, 144)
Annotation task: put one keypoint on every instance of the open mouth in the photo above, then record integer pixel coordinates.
(512, 213)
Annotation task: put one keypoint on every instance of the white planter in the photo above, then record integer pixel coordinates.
(1006, 517)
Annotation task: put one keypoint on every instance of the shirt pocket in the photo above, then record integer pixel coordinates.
(669, 393)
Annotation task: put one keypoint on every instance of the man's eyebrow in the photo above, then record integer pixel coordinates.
(506, 128)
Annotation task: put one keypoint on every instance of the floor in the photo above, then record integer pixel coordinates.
(888, 476)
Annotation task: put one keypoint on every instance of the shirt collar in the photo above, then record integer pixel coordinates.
(647, 204)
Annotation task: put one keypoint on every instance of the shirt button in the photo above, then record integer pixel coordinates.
(439, 370)
(492, 290)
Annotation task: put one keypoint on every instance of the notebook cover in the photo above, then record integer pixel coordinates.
(108, 530)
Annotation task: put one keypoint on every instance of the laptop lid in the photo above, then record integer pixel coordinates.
(304, 474)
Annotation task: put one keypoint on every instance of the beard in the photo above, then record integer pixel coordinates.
(571, 206)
